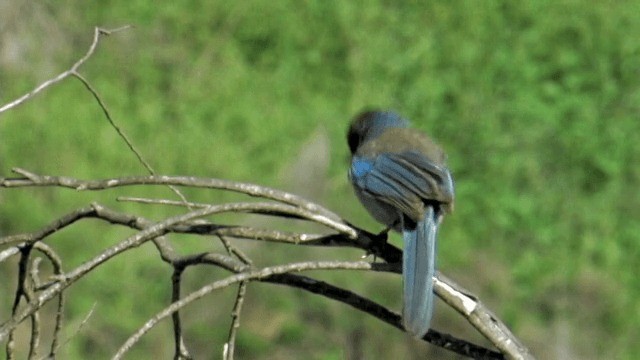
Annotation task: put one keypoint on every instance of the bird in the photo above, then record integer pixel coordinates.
(400, 176)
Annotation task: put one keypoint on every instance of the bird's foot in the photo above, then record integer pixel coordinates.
(381, 237)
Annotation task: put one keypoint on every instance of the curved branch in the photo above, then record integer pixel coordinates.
(454, 295)
(251, 275)
(136, 240)
(31, 179)
(262, 208)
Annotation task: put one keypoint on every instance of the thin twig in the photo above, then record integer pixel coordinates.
(264, 208)
(8, 252)
(235, 251)
(57, 270)
(49, 229)
(84, 321)
(73, 70)
(181, 351)
(228, 352)
(21, 292)
(121, 133)
(35, 318)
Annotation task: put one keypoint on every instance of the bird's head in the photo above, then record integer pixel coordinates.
(371, 124)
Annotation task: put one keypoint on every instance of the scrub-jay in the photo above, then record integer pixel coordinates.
(400, 176)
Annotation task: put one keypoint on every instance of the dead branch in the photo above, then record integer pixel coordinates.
(454, 295)
(97, 33)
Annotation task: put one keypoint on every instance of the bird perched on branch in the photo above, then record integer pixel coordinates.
(401, 178)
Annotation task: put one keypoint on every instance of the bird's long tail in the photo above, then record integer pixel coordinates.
(418, 269)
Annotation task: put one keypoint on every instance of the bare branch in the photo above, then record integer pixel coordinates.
(21, 292)
(264, 208)
(481, 318)
(31, 179)
(121, 133)
(228, 352)
(363, 304)
(181, 351)
(252, 275)
(226, 262)
(136, 240)
(9, 252)
(72, 71)
(56, 225)
(84, 321)
(454, 295)
(57, 270)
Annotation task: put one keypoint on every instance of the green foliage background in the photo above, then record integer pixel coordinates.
(536, 103)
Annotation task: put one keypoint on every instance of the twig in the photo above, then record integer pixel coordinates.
(181, 351)
(228, 352)
(121, 133)
(72, 71)
(84, 321)
(8, 252)
(264, 208)
(49, 229)
(235, 251)
(21, 291)
(35, 318)
(57, 270)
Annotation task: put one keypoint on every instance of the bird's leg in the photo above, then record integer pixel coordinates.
(381, 237)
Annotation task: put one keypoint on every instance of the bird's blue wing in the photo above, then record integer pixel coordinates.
(405, 181)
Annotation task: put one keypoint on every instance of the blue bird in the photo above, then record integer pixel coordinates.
(401, 178)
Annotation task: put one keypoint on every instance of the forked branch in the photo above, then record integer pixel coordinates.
(286, 205)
